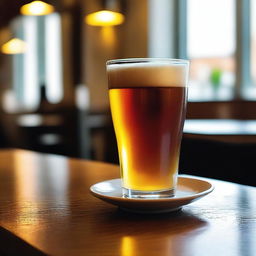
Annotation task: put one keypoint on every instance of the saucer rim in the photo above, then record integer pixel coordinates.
(195, 195)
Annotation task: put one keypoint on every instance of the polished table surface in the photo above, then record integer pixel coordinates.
(220, 126)
(226, 130)
(46, 209)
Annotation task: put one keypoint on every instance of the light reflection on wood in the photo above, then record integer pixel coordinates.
(56, 213)
(25, 169)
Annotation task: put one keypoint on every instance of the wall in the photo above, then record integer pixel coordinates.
(103, 43)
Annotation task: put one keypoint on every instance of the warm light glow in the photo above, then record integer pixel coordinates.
(14, 46)
(37, 8)
(128, 246)
(104, 18)
(108, 34)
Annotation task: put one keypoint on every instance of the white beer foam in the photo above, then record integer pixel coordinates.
(147, 74)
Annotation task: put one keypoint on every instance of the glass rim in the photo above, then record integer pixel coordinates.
(147, 60)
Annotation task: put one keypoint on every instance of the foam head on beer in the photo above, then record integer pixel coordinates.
(148, 74)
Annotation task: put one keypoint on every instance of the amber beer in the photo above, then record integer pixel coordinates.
(148, 101)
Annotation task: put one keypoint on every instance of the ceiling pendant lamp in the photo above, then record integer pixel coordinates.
(108, 16)
(36, 8)
(14, 46)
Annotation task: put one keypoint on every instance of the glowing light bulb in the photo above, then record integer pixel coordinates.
(104, 18)
(14, 46)
(37, 8)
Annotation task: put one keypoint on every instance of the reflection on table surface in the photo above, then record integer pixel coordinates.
(47, 209)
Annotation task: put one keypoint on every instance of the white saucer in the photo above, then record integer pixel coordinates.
(188, 190)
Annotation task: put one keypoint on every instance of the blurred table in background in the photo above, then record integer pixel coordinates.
(226, 130)
(68, 131)
(47, 209)
(220, 148)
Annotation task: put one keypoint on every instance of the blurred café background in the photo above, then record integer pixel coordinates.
(53, 86)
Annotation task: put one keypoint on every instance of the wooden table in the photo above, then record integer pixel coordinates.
(225, 130)
(46, 209)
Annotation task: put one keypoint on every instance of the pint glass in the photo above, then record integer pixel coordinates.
(148, 103)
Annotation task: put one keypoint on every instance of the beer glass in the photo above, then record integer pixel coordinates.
(148, 103)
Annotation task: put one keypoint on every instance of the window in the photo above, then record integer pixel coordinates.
(211, 48)
(53, 58)
(25, 73)
(219, 38)
(41, 63)
(252, 87)
(227, 71)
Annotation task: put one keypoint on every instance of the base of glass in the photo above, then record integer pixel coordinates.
(130, 193)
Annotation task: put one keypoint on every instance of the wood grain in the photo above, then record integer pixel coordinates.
(46, 209)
